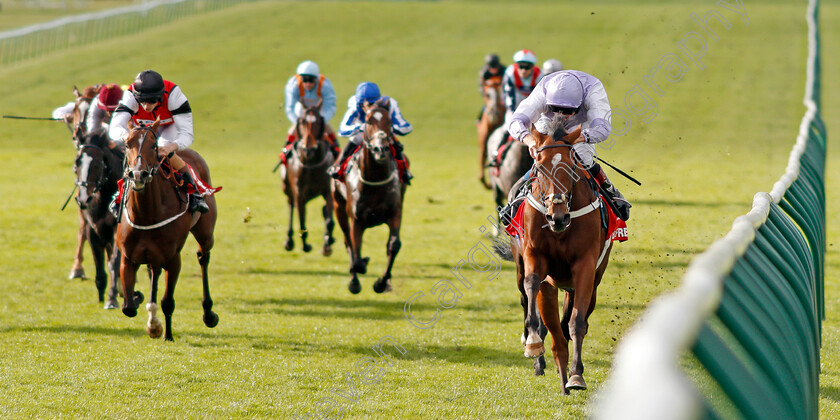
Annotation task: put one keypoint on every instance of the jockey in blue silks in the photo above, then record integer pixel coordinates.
(352, 125)
(568, 98)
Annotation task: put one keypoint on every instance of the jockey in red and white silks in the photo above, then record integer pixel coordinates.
(519, 80)
(176, 122)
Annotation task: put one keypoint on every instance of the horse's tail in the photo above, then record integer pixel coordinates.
(503, 249)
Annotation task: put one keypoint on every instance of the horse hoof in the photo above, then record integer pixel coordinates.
(326, 251)
(576, 382)
(78, 273)
(307, 247)
(381, 286)
(130, 312)
(138, 298)
(211, 319)
(154, 331)
(111, 304)
(534, 349)
(289, 245)
(354, 286)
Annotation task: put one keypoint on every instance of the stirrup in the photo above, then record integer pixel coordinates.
(333, 171)
(197, 203)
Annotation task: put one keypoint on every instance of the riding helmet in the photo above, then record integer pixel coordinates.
(525, 56)
(551, 65)
(564, 90)
(148, 87)
(367, 92)
(308, 68)
(492, 60)
(109, 97)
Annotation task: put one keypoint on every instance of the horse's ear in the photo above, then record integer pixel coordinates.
(574, 136)
(76, 92)
(156, 124)
(384, 103)
(320, 102)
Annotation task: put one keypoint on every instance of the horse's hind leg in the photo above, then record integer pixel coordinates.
(383, 284)
(78, 271)
(114, 270)
(210, 318)
(167, 304)
(579, 321)
(549, 308)
(329, 225)
(153, 326)
(290, 243)
(98, 250)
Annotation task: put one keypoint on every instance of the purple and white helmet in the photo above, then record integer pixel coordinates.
(564, 90)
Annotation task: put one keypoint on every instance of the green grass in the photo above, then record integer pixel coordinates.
(289, 330)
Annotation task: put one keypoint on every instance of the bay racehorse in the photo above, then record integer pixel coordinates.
(516, 161)
(154, 226)
(98, 168)
(78, 128)
(305, 177)
(561, 244)
(492, 117)
(371, 194)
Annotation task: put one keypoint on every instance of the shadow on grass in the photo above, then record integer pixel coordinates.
(681, 203)
(830, 392)
(327, 307)
(337, 273)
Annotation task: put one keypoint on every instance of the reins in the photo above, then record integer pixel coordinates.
(562, 198)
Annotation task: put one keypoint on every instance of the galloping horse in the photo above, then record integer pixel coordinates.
(492, 117)
(154, 227)
(561, 245)
(305, 176)
(98, 169)
(372, 194)
(78, 129)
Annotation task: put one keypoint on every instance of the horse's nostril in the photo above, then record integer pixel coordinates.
(566, 219)
(144, 175)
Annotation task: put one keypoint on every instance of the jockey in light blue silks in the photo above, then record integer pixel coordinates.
(352, 125)
(307, 88)
(569, 98)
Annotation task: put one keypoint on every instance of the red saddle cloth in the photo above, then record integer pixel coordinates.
(616, 231)
(203, 188)
(402, 165)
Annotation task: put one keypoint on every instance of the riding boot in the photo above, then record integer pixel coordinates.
(621, 203)
(196, 200)
(287, 149)
(334, 146)
(398, 155)
(335, 169)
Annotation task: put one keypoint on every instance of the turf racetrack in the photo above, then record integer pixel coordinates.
(291, 337)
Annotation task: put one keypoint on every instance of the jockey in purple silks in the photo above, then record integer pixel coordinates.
(569, 98)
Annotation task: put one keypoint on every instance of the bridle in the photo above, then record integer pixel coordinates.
(366, 142)
(319, 137)
(148, 169)
(562, 198)
(101, 179)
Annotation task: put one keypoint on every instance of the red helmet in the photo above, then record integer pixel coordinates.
(109, 97)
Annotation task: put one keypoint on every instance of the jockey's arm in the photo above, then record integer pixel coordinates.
(292, 98)
(351, 123)
(63, 110)
(597, 115)
(328, 107)
(398, 123)
(182, 118)
(118, 129)
(526, 113)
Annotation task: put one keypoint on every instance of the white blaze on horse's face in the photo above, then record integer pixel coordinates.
(379, 145)
(311, 118)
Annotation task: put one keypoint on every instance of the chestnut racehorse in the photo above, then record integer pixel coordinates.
(98, 168)
(492, 117)
(562, 245)
(372, 194)
(155, 224)
(305, 177)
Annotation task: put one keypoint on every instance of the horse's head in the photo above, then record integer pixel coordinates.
(310, 130)
(494, 105)
(556, 176)
(378, 133)
(90, 168)
(77, 118)
(141, 154)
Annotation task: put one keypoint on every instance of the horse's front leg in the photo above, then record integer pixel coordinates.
(329, 225)
(383, 284)
(290, 243)
(97, 248)
(131, 298)
(301, 205)
(210, 318)
(550, 312)
(482, 150)
(153, 326)
(167, 304)
(78, 271)
(114, 270)
(583, 275)
(535, 268)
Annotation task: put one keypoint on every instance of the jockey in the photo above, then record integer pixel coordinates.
(569, 98)
(103, 106)
(552, 65)
(519, 81)
(151, 97)
(352, 125)
(65, 112)
(493, 70)
(307, 88)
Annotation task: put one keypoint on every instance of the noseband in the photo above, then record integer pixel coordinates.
(101, 179)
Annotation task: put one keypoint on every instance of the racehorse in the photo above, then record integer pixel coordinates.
(78, 129)
(562, 245)
(305, 176)
(492, 117)
(515, 163)
(155, 224)
(98, 169)
(372, 194)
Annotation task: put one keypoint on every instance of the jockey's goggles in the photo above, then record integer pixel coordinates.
(562, 109)
(525, 66)
(308, 79)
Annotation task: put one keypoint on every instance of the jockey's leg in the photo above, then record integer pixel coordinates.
(332, 139)
(291, 136)
(586, 155)
(196, 201)
(335, 170)
(398, 149)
